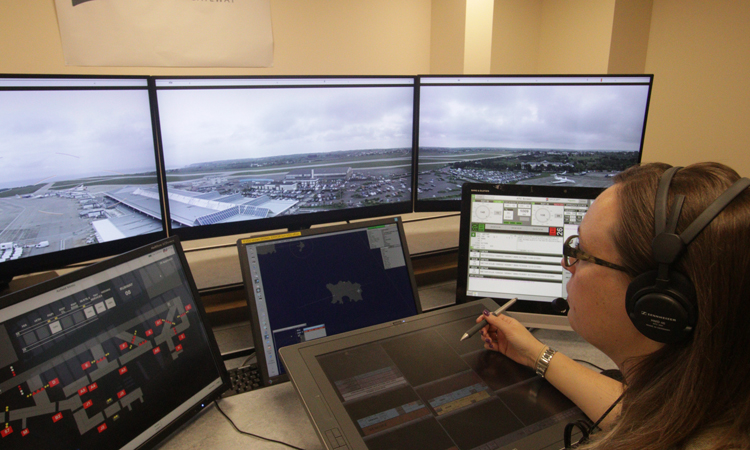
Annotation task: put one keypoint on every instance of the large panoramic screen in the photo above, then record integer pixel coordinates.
(74, 151)
(246, 154)
(539, 130)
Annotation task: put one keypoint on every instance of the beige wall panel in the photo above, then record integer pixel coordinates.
(632, 22)
(575, 36)
(311, 37)
(700, 106)
(516, 31)
(447, 37)
(478, 45)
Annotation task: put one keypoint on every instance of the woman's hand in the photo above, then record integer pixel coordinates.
(506, 335)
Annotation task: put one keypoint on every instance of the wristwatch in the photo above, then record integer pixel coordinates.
(542, 363)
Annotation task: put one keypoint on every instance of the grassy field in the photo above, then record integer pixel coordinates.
(21, 191)
(148, 179)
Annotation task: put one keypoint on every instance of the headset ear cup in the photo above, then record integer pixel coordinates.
(664, 315)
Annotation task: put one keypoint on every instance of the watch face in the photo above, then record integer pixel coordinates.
(543, 362)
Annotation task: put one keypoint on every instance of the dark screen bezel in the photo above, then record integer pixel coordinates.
(468, 189)
(58, 282)
(426, 205)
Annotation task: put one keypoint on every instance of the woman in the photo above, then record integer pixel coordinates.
(693, 394)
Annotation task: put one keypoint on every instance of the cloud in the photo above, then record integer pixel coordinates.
(211, 125)
(597, 117)
(60, 135)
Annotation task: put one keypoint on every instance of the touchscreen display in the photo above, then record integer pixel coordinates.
(515, 245)
(426, 389)
(107, 361)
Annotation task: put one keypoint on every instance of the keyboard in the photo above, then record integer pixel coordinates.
(244, 379)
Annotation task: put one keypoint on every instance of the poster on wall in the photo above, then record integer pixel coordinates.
(166, 33)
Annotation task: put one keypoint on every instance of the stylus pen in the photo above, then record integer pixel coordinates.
(473, 330)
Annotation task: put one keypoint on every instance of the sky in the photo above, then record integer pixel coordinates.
(574, 117)
(221, 124)
(50, 136)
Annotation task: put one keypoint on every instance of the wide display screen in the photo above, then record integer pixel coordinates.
(249, 150)
(537, 130)
(76, 154)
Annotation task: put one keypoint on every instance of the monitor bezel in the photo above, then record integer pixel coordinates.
(63, 280)
(425, 205)
(537, 314)
(295, 221)
(86, 253)
(250, 293)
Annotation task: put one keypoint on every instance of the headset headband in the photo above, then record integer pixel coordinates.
(667, 244)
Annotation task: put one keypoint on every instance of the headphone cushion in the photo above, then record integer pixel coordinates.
(663, 314)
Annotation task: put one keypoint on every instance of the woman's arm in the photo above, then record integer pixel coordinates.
(591, 391)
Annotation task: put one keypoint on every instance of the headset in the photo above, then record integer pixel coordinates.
(662, 303)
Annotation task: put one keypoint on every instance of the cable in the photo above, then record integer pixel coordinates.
(252, 356)
(585, 427)
(251, 434)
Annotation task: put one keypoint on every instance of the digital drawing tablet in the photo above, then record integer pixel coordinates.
(308, 284)
(413, 384)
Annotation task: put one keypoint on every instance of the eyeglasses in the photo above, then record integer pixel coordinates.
(571, 255)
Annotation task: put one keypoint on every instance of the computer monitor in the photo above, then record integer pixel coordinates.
(113, 356)
(414, 384)
(75, 152)
(539, 129)
(256, 154)
(320, 282)
(510, 245)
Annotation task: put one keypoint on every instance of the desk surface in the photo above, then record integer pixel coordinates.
(276, 412)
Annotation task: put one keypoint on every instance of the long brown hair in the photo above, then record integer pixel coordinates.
(682, 390)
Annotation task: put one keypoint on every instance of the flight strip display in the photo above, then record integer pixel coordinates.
(445, 394)
(100, 362)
